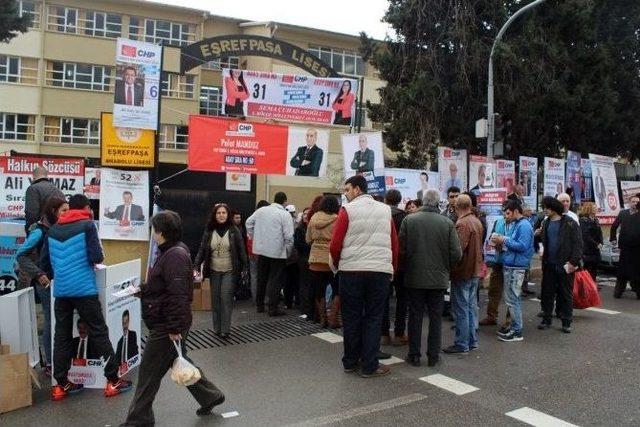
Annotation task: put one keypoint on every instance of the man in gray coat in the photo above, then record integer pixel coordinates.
(40, 190)
(429, 249)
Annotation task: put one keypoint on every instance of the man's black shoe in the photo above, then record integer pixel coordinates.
(382, 355)
(433, 361)
(540, 314)
(413, 360)
(454, 349)
(566, 329)
(544, 325)
(206, 410)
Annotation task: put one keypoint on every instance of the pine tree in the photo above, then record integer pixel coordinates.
(10, 20)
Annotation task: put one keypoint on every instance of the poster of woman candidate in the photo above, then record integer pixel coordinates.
(307, 151)
(452, 166)
(124, 204)
(362, 152)
(605, 187)
(291, 98)
(411, 183)
(553, 176)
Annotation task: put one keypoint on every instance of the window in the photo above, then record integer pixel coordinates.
(158, 31)
(210, 100)
(173, 137)
(72, 130)
(63, 19)
(177, 86)
(232, 62)
(343, 61)
(101, 24)
(79, 76)
(9, 69)
(17, 127)
(30, 8)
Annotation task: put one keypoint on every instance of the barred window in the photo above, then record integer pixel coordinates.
(173, 137)
(79, 76)
(343, 61)
(177, 86)
(31, 8)
(210, 100)
(17, 127)
(102, 24)
(72, 130)
(231, 62)
(158, 31)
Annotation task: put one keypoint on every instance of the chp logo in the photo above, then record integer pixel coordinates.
(553, 163)
(240, 129)
(128, 51)
(133, 52)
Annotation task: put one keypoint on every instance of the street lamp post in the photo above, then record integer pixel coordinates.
(490, 119)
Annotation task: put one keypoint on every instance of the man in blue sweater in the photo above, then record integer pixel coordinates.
(69, 254)
(517, 245)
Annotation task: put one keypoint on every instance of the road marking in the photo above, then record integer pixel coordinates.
(449, 384)
(361, 411)
(230, 414)
(537, 418)
(535, 299)
(391, 361)
(329, 337)
(602, 310)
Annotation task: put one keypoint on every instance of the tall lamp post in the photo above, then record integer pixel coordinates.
(490, 119)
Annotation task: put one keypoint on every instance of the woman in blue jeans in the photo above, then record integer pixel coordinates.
(224, 259)
(28, 257)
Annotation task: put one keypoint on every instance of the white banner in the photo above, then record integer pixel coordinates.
(529, 180)
(605, 187)
(123, 320)
(481, 174)
(124, 205)
(137, 88)
(412, 183)
(506, 174)
(553, 176)
(237, 181)
(629, 190)
(452, 167)
(289, 98)
(362, 152)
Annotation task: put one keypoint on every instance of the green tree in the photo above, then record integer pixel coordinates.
(11, 23)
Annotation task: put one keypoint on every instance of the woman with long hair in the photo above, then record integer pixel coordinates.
(224, 260)
(28, 262)
(319, 234)
(412, 206)
(343, 104)
(237, 93)
(591, 238)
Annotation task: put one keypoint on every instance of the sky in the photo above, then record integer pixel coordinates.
(342, 16)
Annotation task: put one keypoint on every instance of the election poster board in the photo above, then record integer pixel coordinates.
(506, 175)
(12, 236)
(553, 177)
(452, 167)
(124, 205)
(412, 183)
(376, 185)
(137, 87)
(125, 147)
(490, 202)
(307, 151)
(605, 186)
(574, 175)
(92, 183)
(629, 190)
(16, 174)
(586, 183)
(289, 98)
(236, 181)
(362, 152)
(528, 178)
(481, 174)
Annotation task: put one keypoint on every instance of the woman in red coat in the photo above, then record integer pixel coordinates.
(237, 93)
(343, 105)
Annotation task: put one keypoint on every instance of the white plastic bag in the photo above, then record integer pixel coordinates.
(183, 372)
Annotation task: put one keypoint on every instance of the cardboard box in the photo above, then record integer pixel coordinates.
(15, 382)
(196, 304)
(206, 298)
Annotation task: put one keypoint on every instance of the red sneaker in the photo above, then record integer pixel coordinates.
(117, 387)
(59, 392)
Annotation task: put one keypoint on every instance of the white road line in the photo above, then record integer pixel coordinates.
(361, 411)
(537, 418)
(602, 310)
(391, 361)
(230, 414)
(451, 385)
(329, 337)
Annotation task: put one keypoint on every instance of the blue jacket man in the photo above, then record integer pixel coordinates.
(518, 244)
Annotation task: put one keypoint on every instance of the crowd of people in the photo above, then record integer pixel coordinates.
(339, 263)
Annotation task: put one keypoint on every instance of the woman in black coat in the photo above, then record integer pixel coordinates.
(591, 238)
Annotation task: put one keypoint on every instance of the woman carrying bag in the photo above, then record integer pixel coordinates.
(224, 259)
(166, 310)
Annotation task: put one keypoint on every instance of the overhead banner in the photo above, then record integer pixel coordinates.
(125, 147)
(529, 180)
(291, 98)
(553, 177)
(605, 186)
(481, 174)
(16, 174)
(586, 183)
(452, 167)
(629, 190)
(412, 183)
(362, 152)
(574, 175)
(137, 88)
(506, 175)
(124, 205)
(228, 145)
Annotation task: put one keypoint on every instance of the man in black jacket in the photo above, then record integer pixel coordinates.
(40, 190)
(308, 159)
(629, 245)
(128, 91)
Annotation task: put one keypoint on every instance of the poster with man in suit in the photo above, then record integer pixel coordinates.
(605, 186)
(124, 202)
(308, 159)
(127, 347)
(129, 88)
(362, 152)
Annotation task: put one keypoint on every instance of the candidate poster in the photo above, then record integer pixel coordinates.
(553, 177)
(124, 205)
(362, 152)
(528, 178)
(12, 236)
(123, 320)
(605, 186)
(481, 174)
(490, 202)
(411, 183)
(307, 151)
(452, 167)
(629, 189)
(586, 183)
(289, 98)
(125, 147)
(16, 174)
(92, 183)
(506, 175)
(137, 88)
(574, 175)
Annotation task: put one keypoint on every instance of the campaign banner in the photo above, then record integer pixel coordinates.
(92, 183)
(229, 145)
(137, 88)
(574, 175)
(16, 174)
(605, 186)
(123, 320)
(124, 205)
(235, 181)
(506, 175)
(362, 152)
(528, 168)
(290, 98)
(12, 236)
(481, 174)
(452, 167)
(376, 184)
(553, 176)
(490, 202)
(412, 183)
(629, 190)
(125, 147)
(586, 183)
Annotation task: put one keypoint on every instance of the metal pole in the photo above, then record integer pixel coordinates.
(490, 113)
(156, 142)
(360, 112)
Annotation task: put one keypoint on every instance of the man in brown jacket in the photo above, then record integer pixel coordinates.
(465, 278)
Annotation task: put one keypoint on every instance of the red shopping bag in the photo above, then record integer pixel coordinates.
(585, 290)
